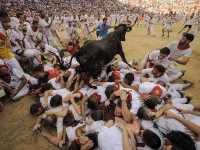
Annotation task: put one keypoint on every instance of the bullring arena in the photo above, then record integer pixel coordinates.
(16, 131)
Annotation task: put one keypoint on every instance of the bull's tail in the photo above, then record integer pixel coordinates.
(70, 62)
(60, 62)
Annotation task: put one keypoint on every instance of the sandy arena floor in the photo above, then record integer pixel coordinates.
(17, 124)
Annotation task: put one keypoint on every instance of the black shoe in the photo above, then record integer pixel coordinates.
(183, 73)
(182, 93)
(189, 98)
(186, 82)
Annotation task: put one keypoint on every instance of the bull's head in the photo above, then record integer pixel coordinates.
(121, 29)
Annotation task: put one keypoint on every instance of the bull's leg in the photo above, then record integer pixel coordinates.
(121, 53)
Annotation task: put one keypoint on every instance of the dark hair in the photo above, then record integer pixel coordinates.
(19, 14)
(160, 68)
(152, 102)
(69, 120)
(119, 104)
(34, 109)
(143, 113)
(44, 78)
(181, 139)
(91, 136)
(129, 77)
(165, 50)
(176, 148)
(38, 68)
(92, 102)
(109, 90)
(34, 22)
(96, 115)
(151, 139)
(34, 87)
(56, 101)
(45, 87)
(111, 78)
(105, 19)
(162, 83)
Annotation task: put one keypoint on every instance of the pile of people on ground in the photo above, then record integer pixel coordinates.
(129, 108)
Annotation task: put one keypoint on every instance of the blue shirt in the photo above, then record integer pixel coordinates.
(103, 31)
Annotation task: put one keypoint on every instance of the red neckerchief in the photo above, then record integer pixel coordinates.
(34, 29)
(116, 74)
(104, 26)
(117, 86)
(184, 47)
(97, 96)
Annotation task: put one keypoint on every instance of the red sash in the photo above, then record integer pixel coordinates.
(184, 47)
(157, 91)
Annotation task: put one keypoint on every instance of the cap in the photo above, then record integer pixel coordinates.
(189, 36)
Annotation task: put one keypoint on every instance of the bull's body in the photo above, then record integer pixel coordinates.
(94, 55)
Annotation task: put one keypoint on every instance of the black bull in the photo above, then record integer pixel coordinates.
(95, 54)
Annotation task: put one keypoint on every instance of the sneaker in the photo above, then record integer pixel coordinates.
(186, 82)
(183, 73)
(189, 98)
(182, 93)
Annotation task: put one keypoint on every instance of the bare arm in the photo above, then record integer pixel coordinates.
(7, 41)
(84, 99)
(46, 94)
(190, 125)
(76, 107)
(54, 139)
(125, 140)
(182, 61)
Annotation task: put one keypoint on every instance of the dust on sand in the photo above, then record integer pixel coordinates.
(17, 123)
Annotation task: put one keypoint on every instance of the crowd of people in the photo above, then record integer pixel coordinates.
(130, 108)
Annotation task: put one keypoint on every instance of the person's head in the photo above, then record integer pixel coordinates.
(164, 52)
(162, 83)
(69, 120)
(41, 44)
(91, 141)
(152, 102)
(93, 102)
(118, 108)
(69, 23)
(151, 139)
(45, 87)
(143, 113)
(186, 39)
(180, 139)
(44, 78)
(3, 71)
(158, 70)
(36, 109)
(46, 18)
(56, 101)
(109, 90)
(128, 78)
(104, 20)
(49, 121)
(6, 25)
(96, 115)
(35, 23)
(20, 16)
(3, 15)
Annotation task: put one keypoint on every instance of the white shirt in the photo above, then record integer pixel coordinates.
(110, 138)
(163, 78)
(176, 53)
(153, 57)
(70, 131)
(100, 91)
(150, 87)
